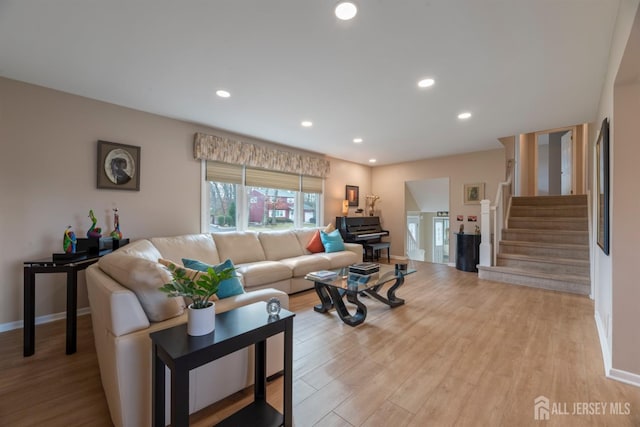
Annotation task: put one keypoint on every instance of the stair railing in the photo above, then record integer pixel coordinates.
(499, 212)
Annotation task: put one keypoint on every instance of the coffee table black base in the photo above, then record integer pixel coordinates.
(332, 297)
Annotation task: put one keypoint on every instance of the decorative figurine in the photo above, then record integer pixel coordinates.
(116, 233)
(94, 232)
(461, 231)
(371, 203)
(69, 241)
(477, 230)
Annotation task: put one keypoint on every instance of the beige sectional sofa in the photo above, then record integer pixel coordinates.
(126, 306)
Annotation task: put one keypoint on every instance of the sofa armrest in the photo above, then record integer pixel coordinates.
(113, 306)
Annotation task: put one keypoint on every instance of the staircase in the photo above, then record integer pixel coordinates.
(545, 245)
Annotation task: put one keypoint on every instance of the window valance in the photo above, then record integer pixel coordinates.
(227, 150)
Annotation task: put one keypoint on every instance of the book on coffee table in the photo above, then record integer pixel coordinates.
(323, 275)
(364, 268)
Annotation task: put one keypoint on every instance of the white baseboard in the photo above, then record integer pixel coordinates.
(452, 264)
(609, 372)
(624, 376)
(604, 345)
(19, 324)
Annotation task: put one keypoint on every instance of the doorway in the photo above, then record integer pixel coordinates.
(426, 209)
(554, 153)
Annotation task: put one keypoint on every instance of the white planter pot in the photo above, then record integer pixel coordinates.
(201, 321)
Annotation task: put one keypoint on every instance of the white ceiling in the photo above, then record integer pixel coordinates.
(517, 65)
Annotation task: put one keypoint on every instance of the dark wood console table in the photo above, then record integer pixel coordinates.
(467, 252)
(71, 268)
(235, 329)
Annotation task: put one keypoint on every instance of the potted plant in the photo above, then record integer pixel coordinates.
(199, 287)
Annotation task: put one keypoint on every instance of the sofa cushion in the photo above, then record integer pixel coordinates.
(144, 277)
(193, 246)
(304, 236)
(263, 272)
(195, 274)
(278, 245)
(240, 247)
(315, 244)
(227, 287)
(341, 259)
(306, 264)
(332, 242)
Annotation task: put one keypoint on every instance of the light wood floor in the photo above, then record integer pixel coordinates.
(461, 352)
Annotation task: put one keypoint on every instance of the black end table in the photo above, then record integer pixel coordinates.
(71, 268)
(235, 329)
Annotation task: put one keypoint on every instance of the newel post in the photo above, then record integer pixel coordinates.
(485, 231)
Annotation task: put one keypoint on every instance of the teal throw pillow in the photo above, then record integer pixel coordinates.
(228, 287)
(332, 242)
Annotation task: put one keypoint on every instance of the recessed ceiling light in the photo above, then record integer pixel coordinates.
(372, 160)
(464, 116)
(306, 123)
(223, 93)
(426, 82)
(346, 10)
(357, 140)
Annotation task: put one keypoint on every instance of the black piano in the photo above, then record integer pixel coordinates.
(365, 230)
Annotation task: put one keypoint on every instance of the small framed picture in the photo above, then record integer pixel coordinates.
(460, 218)
(118, 166)
(472, 218)
(473, 193)
(352, 194)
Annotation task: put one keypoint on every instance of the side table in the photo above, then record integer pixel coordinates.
(71, 268)
(235, 329)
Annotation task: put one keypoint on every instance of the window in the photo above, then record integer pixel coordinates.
(240, 198)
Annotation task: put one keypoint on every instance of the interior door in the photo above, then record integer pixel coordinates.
(440, 240)
(566, 168)
(413, 238)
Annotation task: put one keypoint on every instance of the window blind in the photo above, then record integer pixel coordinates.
(272, 179)
(311, 184)
(224, 172)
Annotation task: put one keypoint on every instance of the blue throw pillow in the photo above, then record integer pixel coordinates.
(332, 242)
(228, 287)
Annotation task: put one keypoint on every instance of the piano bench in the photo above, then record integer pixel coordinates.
(372, 251)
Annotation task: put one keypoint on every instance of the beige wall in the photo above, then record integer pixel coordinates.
(344, 173)
(48, 181)
(624, 235)
(482, 166)
(615, 289)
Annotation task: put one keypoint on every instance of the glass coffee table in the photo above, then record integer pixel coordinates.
(333, 290)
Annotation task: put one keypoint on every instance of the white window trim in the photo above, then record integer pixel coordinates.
(242, 202)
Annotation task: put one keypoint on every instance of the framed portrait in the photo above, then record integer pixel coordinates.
(118, 166)
(473, 193)
(352, 195)
(602, 190)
